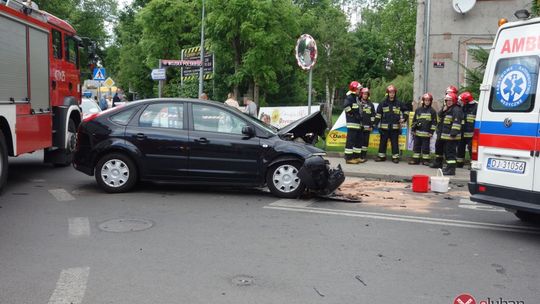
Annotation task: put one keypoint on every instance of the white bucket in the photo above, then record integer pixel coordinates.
(439, 183)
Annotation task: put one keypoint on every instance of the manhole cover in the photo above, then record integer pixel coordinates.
(242, 280)
(126, 225)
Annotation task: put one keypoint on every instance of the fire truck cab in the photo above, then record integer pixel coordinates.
(39, 84)
(506, 143)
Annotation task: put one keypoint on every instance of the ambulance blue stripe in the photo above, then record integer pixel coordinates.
(517, 128)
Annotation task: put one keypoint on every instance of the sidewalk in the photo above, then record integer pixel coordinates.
(389, 171)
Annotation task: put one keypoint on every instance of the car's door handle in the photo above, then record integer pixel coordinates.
(140, 136)
(202, 140)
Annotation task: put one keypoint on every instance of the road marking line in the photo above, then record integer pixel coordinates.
(79, 227)
(71, 286)
(412, 219)
(61, 195)
(287, 202)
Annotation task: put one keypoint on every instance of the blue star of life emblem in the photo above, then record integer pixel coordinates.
(513, 86)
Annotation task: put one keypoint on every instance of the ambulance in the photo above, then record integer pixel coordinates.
(505, 166)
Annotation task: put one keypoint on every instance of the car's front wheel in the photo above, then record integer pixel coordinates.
(283, 181)
(115, 173)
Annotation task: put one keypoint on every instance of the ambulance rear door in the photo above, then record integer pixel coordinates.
(510, 113)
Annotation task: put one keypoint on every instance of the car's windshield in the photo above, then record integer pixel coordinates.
(89, 107)
(269, 128)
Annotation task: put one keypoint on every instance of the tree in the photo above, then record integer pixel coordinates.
(258, 36)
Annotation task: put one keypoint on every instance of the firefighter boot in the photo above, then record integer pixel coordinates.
(450, 169)
(414, 161)
(460, 163)
(380, 158)
(353, 161)
(363, 157)
(437, 163)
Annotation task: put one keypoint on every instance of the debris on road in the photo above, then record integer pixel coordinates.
(360, 280)
(318, 292)
(390, 194)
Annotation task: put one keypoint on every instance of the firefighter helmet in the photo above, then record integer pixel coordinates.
(354, 86)
(391, 88)
(365, 90)
(452, 89)
(427, 96)
(451, 96)
(466, 97)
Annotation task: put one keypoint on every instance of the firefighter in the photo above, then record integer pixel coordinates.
(439, 152)
(423, 126)
(367, 110)
(353, 117)
(469, 116)
(450, 127)
(390, 113)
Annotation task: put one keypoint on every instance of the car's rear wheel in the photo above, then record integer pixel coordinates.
(525, 216)
(3, 161)
(115, 173)
(283, 181)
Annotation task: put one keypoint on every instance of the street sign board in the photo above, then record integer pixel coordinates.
(109, 82)
(192, 72)
(158, 74)
(99, 74)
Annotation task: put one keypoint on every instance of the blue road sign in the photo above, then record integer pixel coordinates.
(99, 74)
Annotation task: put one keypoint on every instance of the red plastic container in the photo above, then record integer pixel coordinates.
(420, 183)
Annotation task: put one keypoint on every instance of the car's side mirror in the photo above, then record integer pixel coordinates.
(248, 131)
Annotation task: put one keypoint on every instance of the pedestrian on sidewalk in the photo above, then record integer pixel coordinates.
(470, 107)
(351, 107)
(391, 113)
(231, 101)
(423, 126)
(367, 112)
(450, 134)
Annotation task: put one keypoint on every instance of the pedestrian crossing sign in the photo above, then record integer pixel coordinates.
(99, 74)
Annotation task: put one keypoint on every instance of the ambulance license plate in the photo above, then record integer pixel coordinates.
(511, 166)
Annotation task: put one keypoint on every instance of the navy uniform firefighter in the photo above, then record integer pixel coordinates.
(439, 153)
(450, 127)
(470, 107)
(367, 110)
(423, 126)
(353, 117)
(390, 113)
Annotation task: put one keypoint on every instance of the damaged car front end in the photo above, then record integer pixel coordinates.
(315, 172)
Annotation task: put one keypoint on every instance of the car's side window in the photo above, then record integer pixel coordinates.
(163, 115)
(213, 119)
(123, 117)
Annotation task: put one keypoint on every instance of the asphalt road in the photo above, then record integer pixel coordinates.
(62, 240)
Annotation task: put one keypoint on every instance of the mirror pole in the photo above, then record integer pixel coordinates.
(309, 90)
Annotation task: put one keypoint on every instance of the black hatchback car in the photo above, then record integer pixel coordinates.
(202, 142)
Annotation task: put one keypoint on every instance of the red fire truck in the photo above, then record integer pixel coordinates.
(39, 84)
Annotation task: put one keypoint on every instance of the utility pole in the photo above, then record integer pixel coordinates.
(201, 72)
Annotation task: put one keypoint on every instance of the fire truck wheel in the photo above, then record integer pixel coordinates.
(115, 173)
(66, 156)
(3, 161)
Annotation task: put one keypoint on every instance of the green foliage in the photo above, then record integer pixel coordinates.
(475, 76)
(403, 83)
(535, 8)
